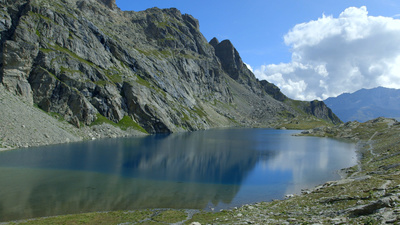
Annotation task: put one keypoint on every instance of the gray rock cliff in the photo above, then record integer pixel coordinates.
(87, 60)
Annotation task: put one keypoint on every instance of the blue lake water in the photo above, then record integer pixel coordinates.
(199, 170)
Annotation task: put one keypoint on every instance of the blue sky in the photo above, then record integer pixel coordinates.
(260, 29)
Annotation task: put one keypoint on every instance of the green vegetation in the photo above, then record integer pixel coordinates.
(286, 114)
(171, 23)
(114, 74)
(124, 124)
(58, 116)
(68, 70)
(303, 123)
(298, 105)
(127, 122)
(101, 83)
(33, 14)
(72, 54)
(92, 218)
(56, 7)
(199, 112)
(143, 82)
(102, 119)
(170, 216)
(50, 73)
(160, 54)
(37, 33)
(46, 50)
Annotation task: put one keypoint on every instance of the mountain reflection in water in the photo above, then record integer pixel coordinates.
(186, 170)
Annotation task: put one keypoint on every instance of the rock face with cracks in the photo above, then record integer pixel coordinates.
(87, 60)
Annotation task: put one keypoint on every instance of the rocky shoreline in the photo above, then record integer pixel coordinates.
(24, 125)
(369, 192)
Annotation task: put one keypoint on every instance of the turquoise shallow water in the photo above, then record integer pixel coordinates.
(198, 170)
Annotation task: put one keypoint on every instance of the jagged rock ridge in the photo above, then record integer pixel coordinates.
(88, 60)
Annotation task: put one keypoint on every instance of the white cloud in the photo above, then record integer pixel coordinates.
(335, 55)
(249, 67)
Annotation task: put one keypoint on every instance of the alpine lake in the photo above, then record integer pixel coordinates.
(213, 169)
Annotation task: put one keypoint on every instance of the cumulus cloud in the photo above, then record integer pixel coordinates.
(335, 55)
(249, 67)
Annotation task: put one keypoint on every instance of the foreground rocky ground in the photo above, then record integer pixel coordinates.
(368, 194)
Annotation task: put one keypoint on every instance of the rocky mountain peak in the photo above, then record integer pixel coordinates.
(109, 3)
(214, 42)
(152, 69)
(230, 58)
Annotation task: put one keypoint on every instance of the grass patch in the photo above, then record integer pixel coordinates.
(170, 216)
(124, 124)
(46, 50)
(304, 124)
(58, 116)
(199, 112)
(72, 54)
(101, 120)
(101, 83)
(114, 74)
(92, 218)
(68, 70)
(143, 82)
(33, 14)
(127, 122)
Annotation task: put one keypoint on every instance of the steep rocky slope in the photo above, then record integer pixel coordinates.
(89, 62)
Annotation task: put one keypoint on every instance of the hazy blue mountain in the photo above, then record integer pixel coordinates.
(366, 104)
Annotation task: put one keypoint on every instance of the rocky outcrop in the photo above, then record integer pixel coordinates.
(233, 65)
(319, 110)
(88, 60)
(273, 90)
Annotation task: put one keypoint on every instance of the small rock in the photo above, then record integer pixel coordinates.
(289, 196)
(239, 215)
(195, 223)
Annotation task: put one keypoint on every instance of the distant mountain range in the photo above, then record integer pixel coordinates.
(366, 104)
